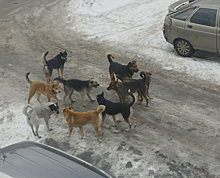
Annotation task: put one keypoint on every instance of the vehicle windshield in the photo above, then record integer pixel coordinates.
(183, 15)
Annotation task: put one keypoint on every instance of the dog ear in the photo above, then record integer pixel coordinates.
(102, 93)
(129, 64)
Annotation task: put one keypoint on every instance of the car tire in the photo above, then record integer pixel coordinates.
(183, 48)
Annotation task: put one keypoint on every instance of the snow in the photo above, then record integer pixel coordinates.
(133, 23)
(138, 24)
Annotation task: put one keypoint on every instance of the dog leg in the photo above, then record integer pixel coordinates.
(129, 125)
(133, 118)
(36, 130)
(47, 124)
(58, 71)
(115, 123)
(82, 96)
(70, 131)
(31, 94)
(149, 95)
(141, 99)
(139, 96)
(57, 100)
(82, 132)
(62, 69)
(146, 100)
(31, 127)
(38, 97)
(126, 117)
(96, 128)
(70, 96)
(90, 97)
(48, 79)
(112, 76)
(103, 119)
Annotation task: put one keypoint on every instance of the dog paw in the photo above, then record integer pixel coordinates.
(127, 130)
(50, 129)
(84, 105)
(113, 125)
(98, 140)
(39, 137)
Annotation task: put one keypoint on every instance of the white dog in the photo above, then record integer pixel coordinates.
(37, 113)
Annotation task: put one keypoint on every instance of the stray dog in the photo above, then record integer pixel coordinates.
(83, 87)
(115, 108)
(141, 86)
(55, 63)
(124, 71)
(47, 89)
(80, 119)
(37, 113)
(148, 80)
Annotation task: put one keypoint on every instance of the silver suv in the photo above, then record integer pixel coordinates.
(193, 25)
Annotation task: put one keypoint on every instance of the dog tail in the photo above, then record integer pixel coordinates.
(143, 75)
(60, 80)
(132, 103)
(43, 58)
(26, 76)
(109, 56)
(100, 109)
(25, 110)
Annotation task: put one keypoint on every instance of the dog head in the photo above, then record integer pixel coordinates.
(133, 66)
(55, 88)
(93, 83)
(100, 98)
(54, 108)
(112, 85)
(67, 111)
(63, 55)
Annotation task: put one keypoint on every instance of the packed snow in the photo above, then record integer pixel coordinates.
(133, 23)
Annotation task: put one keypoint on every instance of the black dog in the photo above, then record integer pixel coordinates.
(83, 87)
(115, 108)
(124, 71)
(55, 63)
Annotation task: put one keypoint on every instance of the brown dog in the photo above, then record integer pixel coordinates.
(147, 82)
(135, 85)
(80, 119)
(49, 90)
(124, 71)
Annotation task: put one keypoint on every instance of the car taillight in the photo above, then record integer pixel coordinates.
(165, 27)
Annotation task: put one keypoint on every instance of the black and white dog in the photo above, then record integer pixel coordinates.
(83, 87)
(115, 108)
(55, 63)
(39, 112)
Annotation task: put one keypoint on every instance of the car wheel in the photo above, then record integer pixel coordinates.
(184, 48)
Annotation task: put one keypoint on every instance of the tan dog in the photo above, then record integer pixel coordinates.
(49, 90)
(79, 119)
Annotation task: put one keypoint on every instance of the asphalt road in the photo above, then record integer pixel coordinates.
(176, 136)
